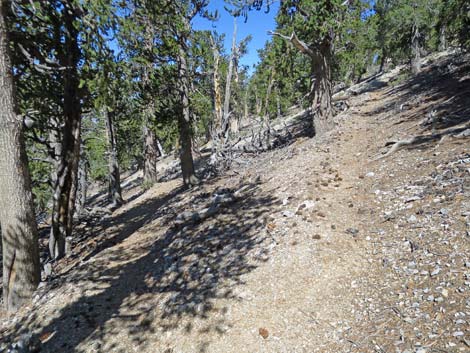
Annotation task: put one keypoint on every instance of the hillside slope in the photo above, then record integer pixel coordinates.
(334, 245)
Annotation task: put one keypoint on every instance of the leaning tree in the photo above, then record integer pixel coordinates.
(312, 26)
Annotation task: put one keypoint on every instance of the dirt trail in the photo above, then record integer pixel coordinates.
(295, 266)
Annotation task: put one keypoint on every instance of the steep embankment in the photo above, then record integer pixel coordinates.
(325, 249)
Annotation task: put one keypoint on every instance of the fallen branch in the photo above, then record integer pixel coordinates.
(420, 139)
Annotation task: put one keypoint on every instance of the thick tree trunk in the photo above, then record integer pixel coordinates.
(184, 123)
(21, 272)
(65, 181)
(150, 147)
(322, 90)
(114, 187)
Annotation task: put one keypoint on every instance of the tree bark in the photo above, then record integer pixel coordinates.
(151, 154)
(82, 184)
(278, 102)
(228, 83)
(184, 123)
(383, 59)
(65, 181)
(114, 187)
(217, 95)
(442, 37)
(416, 50)
(21, 271)
(322, 90)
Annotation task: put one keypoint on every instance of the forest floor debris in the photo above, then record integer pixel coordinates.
(328, 251)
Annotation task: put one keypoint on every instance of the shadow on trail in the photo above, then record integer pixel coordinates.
(437, 100)
(438, 97)
(171, 279)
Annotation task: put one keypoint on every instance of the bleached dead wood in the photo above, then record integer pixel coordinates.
(419, 139)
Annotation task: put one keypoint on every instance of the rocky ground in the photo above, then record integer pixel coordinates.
(329, 244)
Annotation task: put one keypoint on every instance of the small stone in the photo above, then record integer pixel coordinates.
(444, 211)
(288, 214)
(412, 219)
(263, 333)
(352, 231)
(436, 271)
(457, 334)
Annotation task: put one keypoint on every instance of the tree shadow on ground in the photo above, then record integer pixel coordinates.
(437, 101)
(164, 282)
(440, 92)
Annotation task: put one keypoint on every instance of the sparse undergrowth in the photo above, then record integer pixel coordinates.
(329, 251)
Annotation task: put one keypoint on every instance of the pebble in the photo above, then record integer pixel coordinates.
(412, 219)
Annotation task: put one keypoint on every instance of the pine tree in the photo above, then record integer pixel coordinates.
(21, 272)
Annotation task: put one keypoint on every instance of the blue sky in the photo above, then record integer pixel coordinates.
(258, 24)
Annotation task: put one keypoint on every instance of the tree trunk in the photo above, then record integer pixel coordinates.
(278, 102)
(114, 187)
(383, 59)
(258, 104)
(82, 184)
(416, 51)
(21, 272)
(65, 183)
(228, 83)
(322, 91)
(442, 37)
(269, 90)
(150, 147)
(246, 108)
(217, 95)
(184, 123)
(151, 154)
(161, 151)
